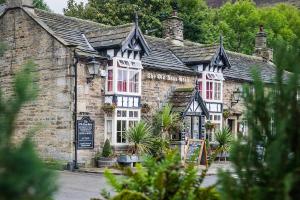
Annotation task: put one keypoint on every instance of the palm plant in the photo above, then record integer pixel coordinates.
(141, 138)
(169, 121)
(224, 138)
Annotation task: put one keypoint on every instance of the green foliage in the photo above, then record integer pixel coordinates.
(167, 122)
(130, 195)
(23, 175)
(107, 150)
(41, 4)
(141, 138)
(54, 164)
(163, 179)
(267, 161)
(224, 138)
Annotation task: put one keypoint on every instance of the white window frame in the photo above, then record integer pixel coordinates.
(213, 121)
(130, 65)
(127, 119)
(215, 78)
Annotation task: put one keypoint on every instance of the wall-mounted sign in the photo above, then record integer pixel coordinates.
(85, 133)
(167, 77)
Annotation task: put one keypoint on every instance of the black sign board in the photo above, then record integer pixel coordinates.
(85, 133)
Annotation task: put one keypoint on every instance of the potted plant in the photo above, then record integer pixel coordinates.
(106, 159)
(224, 138)
(140, 139)
(145, 108)
(108, 108)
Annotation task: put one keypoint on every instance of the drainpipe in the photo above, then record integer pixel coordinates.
(75, 111)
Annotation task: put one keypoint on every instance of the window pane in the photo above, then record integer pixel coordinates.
(110, 80)
(136, 114)
(124, 113)
(119, 113)
(130, 113)
(134, 81)
(122, 80)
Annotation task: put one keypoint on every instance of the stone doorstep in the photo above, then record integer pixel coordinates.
(213, 170)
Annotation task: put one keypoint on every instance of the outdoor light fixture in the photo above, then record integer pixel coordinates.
(236, 96)
(93, 68)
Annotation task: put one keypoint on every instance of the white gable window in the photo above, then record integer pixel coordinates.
(124, 77)
(210, 86)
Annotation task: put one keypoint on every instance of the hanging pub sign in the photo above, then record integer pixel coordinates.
(85, 133)
(196, 152)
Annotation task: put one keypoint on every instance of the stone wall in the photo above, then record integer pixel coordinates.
(90, 100)
(158, 86)
(52, 110)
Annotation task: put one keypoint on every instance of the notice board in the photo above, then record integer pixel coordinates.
(196, 152)
(85, 133)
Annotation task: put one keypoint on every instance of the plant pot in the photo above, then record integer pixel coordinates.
(106, 162)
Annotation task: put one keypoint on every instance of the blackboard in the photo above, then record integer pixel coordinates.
(85, 133)
(196, 152)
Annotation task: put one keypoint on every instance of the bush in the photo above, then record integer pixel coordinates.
(107, 150)
(164, 179)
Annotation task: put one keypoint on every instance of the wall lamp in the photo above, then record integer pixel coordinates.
(93, 68)
(236, 96)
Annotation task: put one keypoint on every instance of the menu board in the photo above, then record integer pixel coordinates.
(196, 152)
(85, 133)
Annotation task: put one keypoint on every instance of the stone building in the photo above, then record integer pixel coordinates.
(135, 70)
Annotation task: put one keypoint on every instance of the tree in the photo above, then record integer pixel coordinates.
(22, 175)
(40, 4)
(267, 161)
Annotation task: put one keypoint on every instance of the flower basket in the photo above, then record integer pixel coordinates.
(145, 108)
(108, 108)
(209, 125)
(226, 114)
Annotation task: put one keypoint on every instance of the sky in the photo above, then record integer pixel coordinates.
(58, 5)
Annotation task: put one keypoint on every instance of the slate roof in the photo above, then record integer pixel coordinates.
(70, 29)
(182, 98)
(193, 52)
(242, 66)
(162, 58)
(109, 36)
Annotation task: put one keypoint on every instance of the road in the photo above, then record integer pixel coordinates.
(83, 186)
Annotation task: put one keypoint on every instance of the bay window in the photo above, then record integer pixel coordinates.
(210, 86)
(124, 76)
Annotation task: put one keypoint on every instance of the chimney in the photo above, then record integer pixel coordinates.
(19, 3)
(261, 48)
(173, 29)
